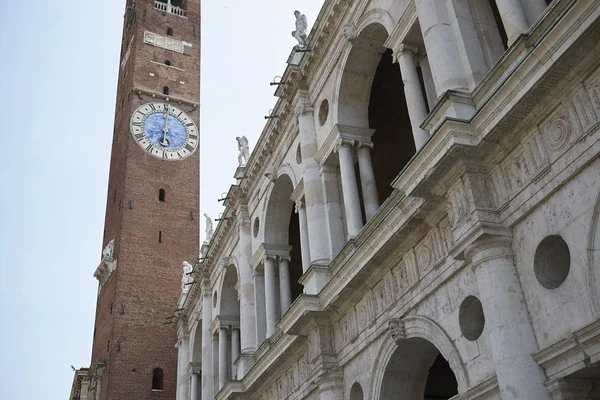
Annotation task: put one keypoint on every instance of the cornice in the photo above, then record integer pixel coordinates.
(167, 98)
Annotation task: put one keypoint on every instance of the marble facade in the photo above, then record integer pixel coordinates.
(472, 274)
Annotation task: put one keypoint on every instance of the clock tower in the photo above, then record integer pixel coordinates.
(152, 209)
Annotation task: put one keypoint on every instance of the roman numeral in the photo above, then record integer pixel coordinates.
(138, 136)
(150, 147)
(189, 148)
(194, 137)
(190, 124)
(152, 107)
(165, 155)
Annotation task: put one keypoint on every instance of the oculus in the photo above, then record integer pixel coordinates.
(164, 131)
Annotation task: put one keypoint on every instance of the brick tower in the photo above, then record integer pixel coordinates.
(151, 223)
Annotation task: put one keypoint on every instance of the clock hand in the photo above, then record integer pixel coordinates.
(164, 141)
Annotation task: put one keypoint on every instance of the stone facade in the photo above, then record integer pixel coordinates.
(420, 220)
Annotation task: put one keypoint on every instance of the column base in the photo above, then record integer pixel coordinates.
(315, 278)
(244, 362)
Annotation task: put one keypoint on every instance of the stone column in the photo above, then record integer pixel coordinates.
(444, 58)
(533, 9)
(331, 387)
(507, 320)
(304, 239)
(235, 351)
(207, 345)
(259, 306)
(334, 208)
(194, 388)
(223, 377)
(415, 102)
(247, 310)
(349, 188)
(271, 295)
(513, 17)
(367, 179)
(285, 290)
(313, 191)
(183, 347)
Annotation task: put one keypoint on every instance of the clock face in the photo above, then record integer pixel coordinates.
(164, 131)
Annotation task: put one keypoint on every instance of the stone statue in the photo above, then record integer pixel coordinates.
(209, 228)
(301, 27)
(244, 150)
(186, 278)
(107, 253)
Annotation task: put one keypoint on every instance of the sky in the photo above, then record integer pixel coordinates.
(58, 82)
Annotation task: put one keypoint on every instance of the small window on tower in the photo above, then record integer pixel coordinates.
(169, 31)
(161, 195)
(157, 379)
(168, 62)
(166, 90)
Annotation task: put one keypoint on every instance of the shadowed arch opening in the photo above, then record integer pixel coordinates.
(356, 393)
(230, 303)
(417, 371)
(282, 227)
(371, 96)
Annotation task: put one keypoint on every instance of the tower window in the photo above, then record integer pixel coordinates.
(157, 379)
(168, 63)
(166, 90)
(169, 31)
(159, 236)
(161, 195)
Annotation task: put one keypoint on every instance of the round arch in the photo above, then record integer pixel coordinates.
(195, 344)
(277, 210)
(228, 300)
(360, 61)
(594, 259)
(418, 327)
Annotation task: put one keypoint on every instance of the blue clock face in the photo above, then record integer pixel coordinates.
(164, 131)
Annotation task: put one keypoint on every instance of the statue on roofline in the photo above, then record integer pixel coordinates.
(301, 27)
(244, 149)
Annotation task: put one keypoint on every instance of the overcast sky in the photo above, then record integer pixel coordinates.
(58, 83)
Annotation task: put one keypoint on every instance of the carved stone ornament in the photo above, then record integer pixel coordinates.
(397, 330)
(108, 264)
(349, 31)
(163, 42)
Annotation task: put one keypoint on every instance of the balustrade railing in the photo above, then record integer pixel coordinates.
(167, 7)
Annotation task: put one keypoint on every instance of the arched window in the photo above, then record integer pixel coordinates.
(161, 195)
(168, 62)
(157, 379)
(165, 90)
(169, 31)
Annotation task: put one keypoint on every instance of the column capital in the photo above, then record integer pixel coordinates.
(363, 144)
(303, 105)
(284, 258)
(404, 49)
(487, 248)
(341, 142)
